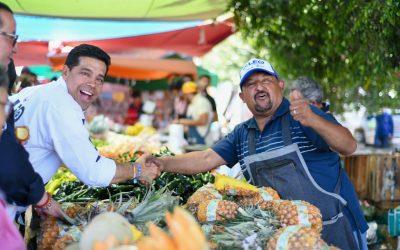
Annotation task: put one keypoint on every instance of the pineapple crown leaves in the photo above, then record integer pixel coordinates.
(153, 206)
(249, 221)
(72, 221)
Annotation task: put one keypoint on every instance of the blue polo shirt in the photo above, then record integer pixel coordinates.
(323, 163)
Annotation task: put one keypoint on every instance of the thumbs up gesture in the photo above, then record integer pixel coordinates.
(300, 109)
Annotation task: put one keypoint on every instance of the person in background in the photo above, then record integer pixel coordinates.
(21, 185)
(26, 79)
(54, 114)
(198, 115)
(179, 102)
(204, 83)
(134, 109)
(384, 129)
(293, 148)
(311, 91)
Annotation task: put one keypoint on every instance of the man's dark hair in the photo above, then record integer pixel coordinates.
(3, 78)
(206, 76)
(86, 50)
(26, 70)
(136, 93)
(4, 7)
(176, 84)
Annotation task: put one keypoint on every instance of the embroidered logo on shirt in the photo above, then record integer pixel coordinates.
(18, 112)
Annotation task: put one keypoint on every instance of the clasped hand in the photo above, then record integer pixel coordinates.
(151, 168)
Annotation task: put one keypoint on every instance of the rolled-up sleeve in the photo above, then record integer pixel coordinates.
(226, 148)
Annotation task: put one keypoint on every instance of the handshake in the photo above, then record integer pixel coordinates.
(150, 168)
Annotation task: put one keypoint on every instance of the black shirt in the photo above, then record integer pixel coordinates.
(20, 183)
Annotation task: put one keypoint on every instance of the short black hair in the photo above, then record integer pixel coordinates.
(176, 84)
(136, 93)
(87, 50)
(26, 70)
(206, 76)
(3, 78)
(4, 7)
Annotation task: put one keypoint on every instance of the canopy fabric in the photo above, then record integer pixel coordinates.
(195, 41)
(63, 29)
(31, 53)
(165, 10)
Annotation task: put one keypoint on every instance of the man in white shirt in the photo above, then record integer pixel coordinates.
(54, 114)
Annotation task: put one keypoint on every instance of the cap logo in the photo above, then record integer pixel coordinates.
(256, 64)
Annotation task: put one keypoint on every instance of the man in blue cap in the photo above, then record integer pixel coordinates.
(291, 147)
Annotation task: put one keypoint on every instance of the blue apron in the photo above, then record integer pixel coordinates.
(285, 171)
(194, 136)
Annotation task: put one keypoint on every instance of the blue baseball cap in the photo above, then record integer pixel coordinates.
(254, 65)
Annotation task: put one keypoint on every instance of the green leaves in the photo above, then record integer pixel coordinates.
(345, 45)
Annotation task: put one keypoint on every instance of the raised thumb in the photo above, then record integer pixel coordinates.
(296, 95)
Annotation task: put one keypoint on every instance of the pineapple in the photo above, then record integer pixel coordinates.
(211, 228)
(262, 199)
(298, 213)
(205, 193)
(252, 226)
(216, 210)
(50, 232)
(63, 242)
(71, 209)
(299, 238)
(230, 186)
(53, 230)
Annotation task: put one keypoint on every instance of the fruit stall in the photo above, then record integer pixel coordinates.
(203, 211)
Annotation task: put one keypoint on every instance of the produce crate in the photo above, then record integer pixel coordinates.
(385, 179)
(357, 167)
(375, 177)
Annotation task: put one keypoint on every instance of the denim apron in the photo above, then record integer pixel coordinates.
(285, 171)
(194, 136)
